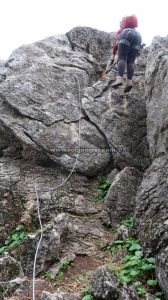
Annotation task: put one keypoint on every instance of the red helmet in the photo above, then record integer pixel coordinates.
(131, 22)
(122, 22)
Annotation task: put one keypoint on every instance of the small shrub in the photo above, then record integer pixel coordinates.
(135, 268)
(14, 239)
(47, 275)
(64, 264)
(87, 294)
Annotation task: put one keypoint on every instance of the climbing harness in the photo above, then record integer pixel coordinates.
(115, 69)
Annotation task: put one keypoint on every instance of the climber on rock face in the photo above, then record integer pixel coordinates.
(128, 43)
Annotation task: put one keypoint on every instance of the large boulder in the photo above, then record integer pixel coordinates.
(94, 42)
(58, 296)
(104, 284)
(19, 181)
(157, 94)
(121, 118)
(129, 293)
(64, 234)
(162, 270)
(10, 268)
(152, 207)
(120, 200)
(152, 217)
(40, 103)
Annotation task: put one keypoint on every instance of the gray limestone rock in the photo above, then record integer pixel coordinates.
(120, 199)
(122, 120)
(58, 296)
(64, 234)
(16, 289)
(122, 233)
(128, 293)
(162, 270)
(96, 43)
(156, 95)
(40, 104)
(10, 268)
(152, 207)
(104, 284)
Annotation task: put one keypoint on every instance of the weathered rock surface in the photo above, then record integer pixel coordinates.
(18, 288)
(122, 120)
(57, 267)
(44, 82)
(149, 297)
(104, 284)
(96, 43)
(120, 199)
(122, 233)
(162, 270)
(46, 79)
(18, 203)
(152, 204)
(128, 293)
(156, 95)
(10, 268)
(152, 207)
(65, 234)
(58, 296)
(45, 90)
(2, 71)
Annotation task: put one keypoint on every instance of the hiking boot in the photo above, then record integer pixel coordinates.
(128, 86)
(118, 82)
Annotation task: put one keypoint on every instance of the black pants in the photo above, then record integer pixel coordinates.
(126, 58)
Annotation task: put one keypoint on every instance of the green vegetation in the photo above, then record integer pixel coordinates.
(64, 265)
(87, 294)
(87, 297)
(47, 275)
(102, 185)
(59, 276)
(134, 268)
(15, 238)
(129, 222)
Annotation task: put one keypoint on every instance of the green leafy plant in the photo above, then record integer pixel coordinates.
(141, 291)
(59, 276)
(135, 268)
(129, 222)
(64, 264)
(47, 275)
(158, 295)
(87, 297)
(134, 263)
(152, 282)
(87, 294)
(14, 239)
(103, 187)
